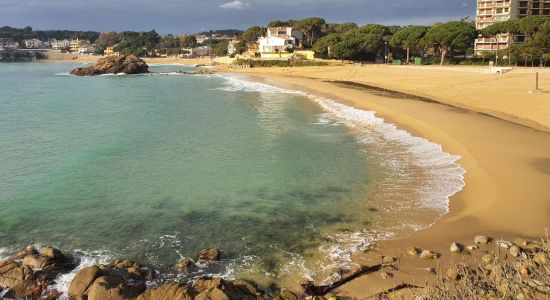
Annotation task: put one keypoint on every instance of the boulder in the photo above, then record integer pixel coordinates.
(173, 291)
(540, 259)
(184, 264)
(36, 261)
(284, 295)
(114, 65)
(388, 259)
(211, 254)
(113, 287)
(82, 281)
(482, 239)
(51, 252)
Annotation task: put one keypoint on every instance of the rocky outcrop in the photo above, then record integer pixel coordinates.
(122, 279)
(29, 272)
(114, 65)
(211, 254)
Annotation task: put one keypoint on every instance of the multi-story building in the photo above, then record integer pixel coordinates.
(278, 40)
(75, 45)
(490, 12)
(59, 45)
(33, 44)
(109, 51)
(8, 44)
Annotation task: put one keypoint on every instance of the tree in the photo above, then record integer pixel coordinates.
(189, 41)
(312, 28)
(409, 38)
(107, 39)
(252, 34)
(347, 49)
(221, 48)
(447, 37)
(338, 28)
(323, 46)
(540, 43)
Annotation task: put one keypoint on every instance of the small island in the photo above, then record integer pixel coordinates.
(114, 65)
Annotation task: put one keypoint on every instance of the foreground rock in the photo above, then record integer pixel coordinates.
(211, 254)
(122, 279)
(114, 65)
(28, 273)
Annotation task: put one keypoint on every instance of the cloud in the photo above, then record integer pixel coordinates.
(237, 4)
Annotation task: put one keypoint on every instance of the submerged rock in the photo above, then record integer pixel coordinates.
(482, 239)
(114, 65)
(211, 254)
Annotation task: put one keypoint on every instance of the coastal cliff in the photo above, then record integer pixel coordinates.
(114, 65)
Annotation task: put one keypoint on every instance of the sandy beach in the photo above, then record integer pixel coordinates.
(154, 60)
(497, 127)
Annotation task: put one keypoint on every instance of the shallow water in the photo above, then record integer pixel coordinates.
(155, 168)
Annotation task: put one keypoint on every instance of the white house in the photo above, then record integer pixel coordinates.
(232, 46)
(33, 44)
(87, 49)
(60, 44)
(279, 39)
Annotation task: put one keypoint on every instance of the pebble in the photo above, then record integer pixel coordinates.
(504, 244)
(388, 259)
(515, 251)
(472, 247)
(413, 251)
(456, 248)
(427, 254)
(482, 239)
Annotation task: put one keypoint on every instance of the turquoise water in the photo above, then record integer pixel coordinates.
(155, 168)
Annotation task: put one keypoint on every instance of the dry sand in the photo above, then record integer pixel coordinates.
(92, 58)
(507, 192)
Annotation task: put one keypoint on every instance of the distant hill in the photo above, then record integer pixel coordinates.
(229, 32)
(20, 34)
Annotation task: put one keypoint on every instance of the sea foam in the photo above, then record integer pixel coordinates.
(398, 152)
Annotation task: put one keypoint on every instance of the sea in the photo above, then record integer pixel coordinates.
(156, 167)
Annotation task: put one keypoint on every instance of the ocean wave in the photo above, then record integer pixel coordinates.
(398, 152)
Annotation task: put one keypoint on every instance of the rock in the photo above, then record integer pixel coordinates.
(175, 291)
(540, 259)
(453, 273)
(51, 252)
(472, 247)
(388, 259)
(521, 242)
(482, 239)
(504, 244)
(18, 280)
(413, 251)
(515, 251)
(219, 289)
(284, 295)
(211, 254)
(184, 264)
(36, 261)
(488, 259)
(456, 248)
(427, 254)
(82, 281)
(386, 275)
(114, 65)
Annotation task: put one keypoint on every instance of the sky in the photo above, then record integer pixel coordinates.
(189, 16)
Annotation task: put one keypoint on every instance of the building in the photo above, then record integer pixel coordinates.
(109, 51)
(60, 45)
(75, 45)
(201, 38)
(279, 40)
(489, 12)
(8, 44)
(33, 44)
(87, 49)
(232, 46)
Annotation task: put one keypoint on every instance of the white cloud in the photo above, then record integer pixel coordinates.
(237, 4)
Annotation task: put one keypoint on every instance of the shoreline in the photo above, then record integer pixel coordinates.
(487, 204)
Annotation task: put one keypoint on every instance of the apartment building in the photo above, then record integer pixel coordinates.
(75, 45)
(8, 44)
(489, 12)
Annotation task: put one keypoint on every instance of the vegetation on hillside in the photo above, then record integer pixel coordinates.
(28, 33)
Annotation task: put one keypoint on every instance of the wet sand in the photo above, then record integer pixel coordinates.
(507, 192)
